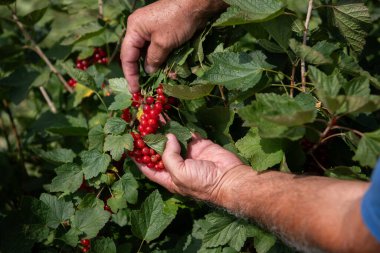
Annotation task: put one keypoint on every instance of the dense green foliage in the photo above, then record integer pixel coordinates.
(239, 82)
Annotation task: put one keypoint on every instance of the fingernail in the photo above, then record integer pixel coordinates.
(149, 69)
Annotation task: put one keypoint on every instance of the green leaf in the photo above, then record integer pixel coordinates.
(96, 138)
(94, 162)
(358, 86)
(262, 153)
(182, 133)
(59, 210)
(115, 125)
(119, 85)
(83, 32)
(116, 144)
(68, 180)
(124, 190)
(264, 241)
(309, 54)
(248, 11)
(59, 155)
(218, 125)
(79, 75)
(151, 220)
(352, 19)
(280, 29)
(236, 71)
(182, 91)
(71, 237)
(223, 230)
(90, 220)
(102, 245)
(121, 102)
(368, 149)
(351, 104)
(282, 110)
(156, 142)
(327, 87)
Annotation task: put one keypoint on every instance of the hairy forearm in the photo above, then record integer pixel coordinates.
(308, 212)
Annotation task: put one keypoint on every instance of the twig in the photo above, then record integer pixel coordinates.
(222, 94)
(305, 32)
(114, 53)
(134, 5)
(317, 162)
(48, 100)
(38, 51)
(14, 129)
(349, 129)
(100, 9)
(292, 80)
(5, 132)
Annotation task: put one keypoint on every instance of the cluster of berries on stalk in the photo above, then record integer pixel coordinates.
(98, 57)
(86, 245)
(149, 122)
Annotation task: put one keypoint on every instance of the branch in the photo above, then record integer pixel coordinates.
(48, 100)
(38, 50)
(14, 129)
(100, 9)
(305, 32)
(292, 80)
(114, 53)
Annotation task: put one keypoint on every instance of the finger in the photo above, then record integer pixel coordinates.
(157, 52)
(162, 178)
(197, 147)
(130, 54)
(196, 136)
(172, 155)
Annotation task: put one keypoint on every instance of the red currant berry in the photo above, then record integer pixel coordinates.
(107, 208)
(151, 151)
(161, 98)
(141, 128)
(104, 60)
(137, 152)
(145, 151)
(136, 136)
(152, 122)
(139, 159)
(167, 107)
(151, 165)
(140, 143)
(158, 157)
(144, 122)
(149, 129)
(161, 165)
(85, 249)
(146, 108)
(146, 159)
(149, 100)
(85, 242)
(153, 159)
(158, 106)
(160, 90)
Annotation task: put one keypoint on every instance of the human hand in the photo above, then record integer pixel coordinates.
(202, 175)
(161, 27)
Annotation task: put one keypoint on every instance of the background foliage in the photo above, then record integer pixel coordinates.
(61, 148)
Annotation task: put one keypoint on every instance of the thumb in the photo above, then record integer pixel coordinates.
(157, 52)
(172, 155)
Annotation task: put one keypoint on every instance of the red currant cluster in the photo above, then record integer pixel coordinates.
(86, 245)
(99, 56)
(143, 154)
(152, 107)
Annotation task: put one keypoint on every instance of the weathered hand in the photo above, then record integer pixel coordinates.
(201, 175)
(159, 28)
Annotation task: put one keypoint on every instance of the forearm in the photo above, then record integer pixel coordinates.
(309, 211)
